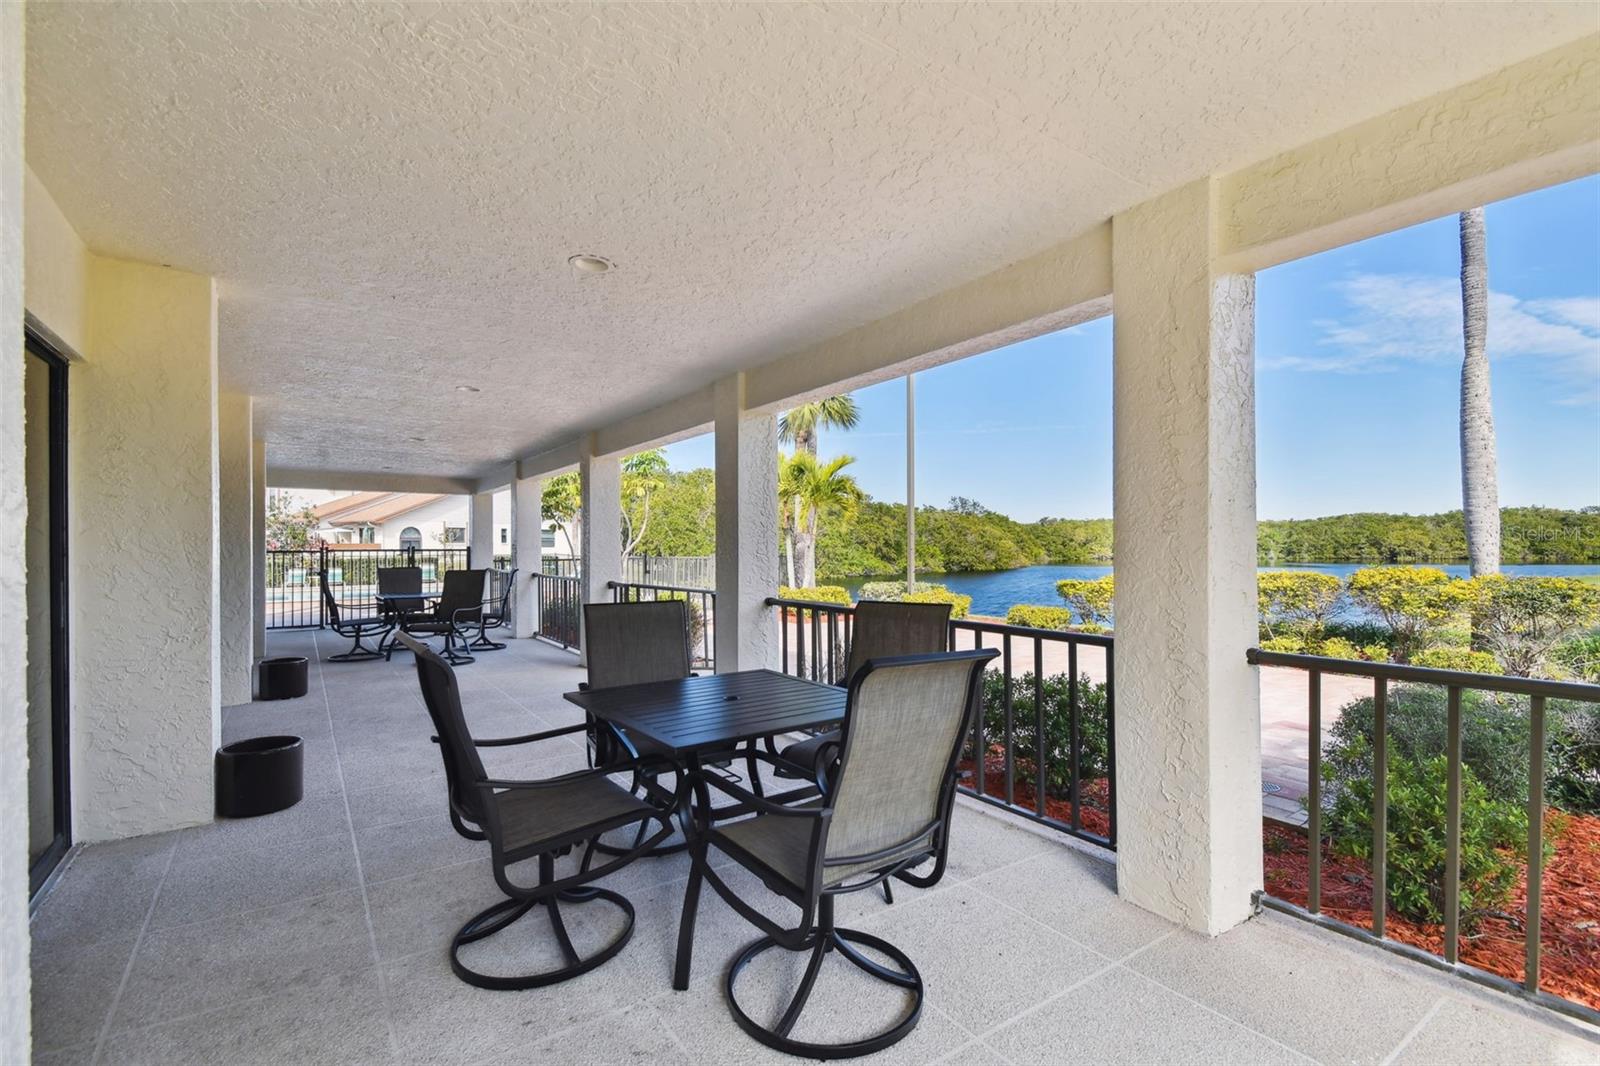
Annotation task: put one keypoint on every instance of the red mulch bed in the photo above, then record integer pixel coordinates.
(1093, 798)
(1569, 927)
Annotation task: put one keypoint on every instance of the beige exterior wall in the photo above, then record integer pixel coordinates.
(15, 1043)
(145, 552)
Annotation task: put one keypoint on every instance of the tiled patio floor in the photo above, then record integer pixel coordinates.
(319, 935)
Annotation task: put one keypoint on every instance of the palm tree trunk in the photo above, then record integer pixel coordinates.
(1480, 495)
(789, 558)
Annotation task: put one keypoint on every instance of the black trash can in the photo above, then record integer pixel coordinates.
(259, 776)
(282, 678)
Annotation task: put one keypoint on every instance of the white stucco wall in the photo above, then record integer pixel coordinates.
(15, 1044)
(525, 500)
(236, 558)
(144, 552)
(1188, 741)
(56, 280)
(600, 481)
(746, 630)
(258, 552)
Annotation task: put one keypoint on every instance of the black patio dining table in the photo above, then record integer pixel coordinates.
(688, 718)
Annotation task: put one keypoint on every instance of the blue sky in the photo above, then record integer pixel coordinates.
(1358, 354)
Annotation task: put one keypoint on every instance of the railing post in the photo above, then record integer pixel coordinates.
(1452, 827)
(1380, 804)
(1530, 978)
(1314, 786)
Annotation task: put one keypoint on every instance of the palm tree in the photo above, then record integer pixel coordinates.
(799, 426)
(809, 488)
(1480, 495)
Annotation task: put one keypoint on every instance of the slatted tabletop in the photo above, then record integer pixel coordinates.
(696, 713)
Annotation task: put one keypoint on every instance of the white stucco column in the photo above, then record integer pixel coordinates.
(144, 525)
(480, 529)
(745, 629)
(15, 1040)
(600, 481)
(258, 551)
(1188, 723)
(526, 522)
(235, 546)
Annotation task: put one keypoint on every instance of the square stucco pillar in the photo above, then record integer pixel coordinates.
(15, 1039)
(600, 505)
(1188, 721)
(258, 550)
(745, 628)
(527, 541)
(480, 529)
(235, 545)
(144, 528)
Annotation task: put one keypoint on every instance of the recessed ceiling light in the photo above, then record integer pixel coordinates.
(589, 264)
(466, 388)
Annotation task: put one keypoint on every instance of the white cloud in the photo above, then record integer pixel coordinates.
(1395, 319)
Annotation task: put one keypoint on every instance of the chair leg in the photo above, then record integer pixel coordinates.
(359, 652)
(752, 767)
(888, 893)
(691, 908)
(829, 939)
(505, 913)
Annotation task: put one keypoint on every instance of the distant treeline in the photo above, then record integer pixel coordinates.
(966, 536)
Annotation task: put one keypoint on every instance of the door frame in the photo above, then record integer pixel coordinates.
(37, 344)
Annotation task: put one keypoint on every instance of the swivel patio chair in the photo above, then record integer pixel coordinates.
(397, 580)
(496, 610)
(358, 628)
(521, 820)
(886, 810)
(881, 629)
(632, 644)
(458, 612)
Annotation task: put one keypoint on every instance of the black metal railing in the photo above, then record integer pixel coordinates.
(559, 600)
(1538, 693)
(561, 565)
(702, 605)
(1043, 744)
(294, 593)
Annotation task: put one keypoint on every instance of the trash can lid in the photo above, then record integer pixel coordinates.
(260, 745)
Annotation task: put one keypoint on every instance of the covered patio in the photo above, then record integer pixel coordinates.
(465, 249)
(318, 934)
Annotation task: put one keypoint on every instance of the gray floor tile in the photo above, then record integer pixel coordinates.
(1464, 1030)
(339, 1020)
(1321, 998)
(314, 816)
(207, 965)
(105, 893)
(1076, 895)
(390, 851)
(72, 992)
(1120, 1017)
(982, 964)
(251, 878)
(420, 912)
(633, 1034)
(81, 1055)
(387, 805)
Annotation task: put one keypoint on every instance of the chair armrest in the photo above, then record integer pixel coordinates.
(765, 806)
(529, 738)
(557, 781)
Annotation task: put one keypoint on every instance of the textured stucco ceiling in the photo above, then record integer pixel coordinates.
(388, 193)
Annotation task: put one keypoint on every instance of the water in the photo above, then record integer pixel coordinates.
(994, 593)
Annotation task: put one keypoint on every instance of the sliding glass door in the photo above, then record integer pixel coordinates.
(45, 551)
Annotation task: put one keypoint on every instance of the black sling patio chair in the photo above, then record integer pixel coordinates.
(632, 644)
(496, 609)
(457, 614)
(358, 628)
(524, 820)
(398, 580)
(885, 810)
(880, 629)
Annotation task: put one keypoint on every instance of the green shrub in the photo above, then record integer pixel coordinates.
(1494, 836)
(1378, 653)
(1572, 763)
(1091, 601)
(923, 592)
(1287, 645)
(1038, 616)
(1477, 662)
(1578, 658)
(1522, 619)
(816, 594)
(1092, 733)
(1295, 601)
(1360, 634)
(1337, 648)
(1413, 601)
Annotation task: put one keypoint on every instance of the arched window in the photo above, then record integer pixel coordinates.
(411, 537)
